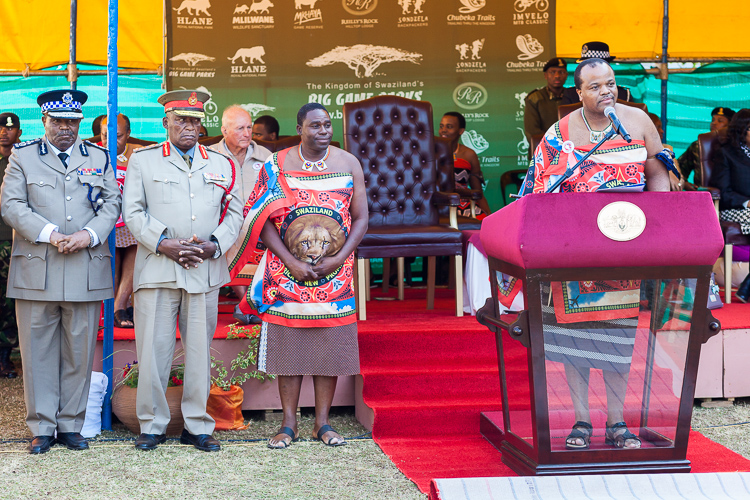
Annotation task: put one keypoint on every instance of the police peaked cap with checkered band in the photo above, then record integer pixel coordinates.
(599, 50)
(65, 103)
(184, 102)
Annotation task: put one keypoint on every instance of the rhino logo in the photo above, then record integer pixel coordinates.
(254, 54)
(192, 58)
(194, 7)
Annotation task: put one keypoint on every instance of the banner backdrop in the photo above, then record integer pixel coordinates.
(478, 57)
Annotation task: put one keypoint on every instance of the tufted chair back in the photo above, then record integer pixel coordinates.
(393, 139)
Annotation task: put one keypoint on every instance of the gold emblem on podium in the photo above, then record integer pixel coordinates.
(621, 221)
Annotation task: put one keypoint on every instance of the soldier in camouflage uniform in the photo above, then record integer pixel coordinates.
(10, 131)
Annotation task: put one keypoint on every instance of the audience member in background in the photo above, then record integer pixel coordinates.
(311, 220)
(690, 160)
(266, 128)
(599, 50)
(202, 132)
(96, 125)
(675, 183)
(248, 157)
(465, 163)
(540, 108)
(10, 132)
(732, 176)
(124, 240)
(62, 202)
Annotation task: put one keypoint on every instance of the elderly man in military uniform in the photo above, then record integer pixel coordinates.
(60, 196)
(10, 132)
(182, 204)
(248, 157)
(540, 108)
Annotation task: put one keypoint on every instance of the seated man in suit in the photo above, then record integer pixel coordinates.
(690, 160)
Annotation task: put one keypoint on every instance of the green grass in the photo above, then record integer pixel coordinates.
(244, 468)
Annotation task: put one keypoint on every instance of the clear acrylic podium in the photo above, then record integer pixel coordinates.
(609, 292)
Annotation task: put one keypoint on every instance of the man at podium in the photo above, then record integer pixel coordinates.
(603, 339)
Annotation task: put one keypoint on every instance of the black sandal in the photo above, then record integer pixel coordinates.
(578, 433)
(616, 438)
(287, 431)
(121, 316)
(327, 428)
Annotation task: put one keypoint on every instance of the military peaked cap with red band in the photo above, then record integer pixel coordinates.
(184, 102)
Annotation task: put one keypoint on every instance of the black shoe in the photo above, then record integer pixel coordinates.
(149, 441)
(204, 442)
(73, 440)
(41, 444)
(245, 319)
(743, 292)
(7, 369)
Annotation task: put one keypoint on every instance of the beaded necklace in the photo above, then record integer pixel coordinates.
(594, 135)
(308, 165)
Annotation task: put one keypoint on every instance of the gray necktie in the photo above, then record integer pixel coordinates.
(187, 159)
(63, 158)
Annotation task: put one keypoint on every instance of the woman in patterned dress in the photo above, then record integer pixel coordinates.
(465, 164)
(125, 243)
(309, 209)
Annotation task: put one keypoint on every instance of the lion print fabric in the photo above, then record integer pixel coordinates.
(311, 213)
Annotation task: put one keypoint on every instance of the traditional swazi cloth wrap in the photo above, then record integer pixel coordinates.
(616, 165)
(462, 174)
(289, 199)
(588, 323)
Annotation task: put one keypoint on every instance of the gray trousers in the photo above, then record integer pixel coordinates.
(57, 342)
(157, 311)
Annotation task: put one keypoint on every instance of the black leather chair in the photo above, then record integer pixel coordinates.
(732, 231)
(394, 141)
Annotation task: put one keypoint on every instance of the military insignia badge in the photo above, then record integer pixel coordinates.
(67, 98)
(9, 123)
(211, 177)
(89, 171)
(193, 99)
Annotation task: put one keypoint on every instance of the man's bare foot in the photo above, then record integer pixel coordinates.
(328, 435)
(285, 437)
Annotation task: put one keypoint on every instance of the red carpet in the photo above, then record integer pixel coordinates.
(428, 375)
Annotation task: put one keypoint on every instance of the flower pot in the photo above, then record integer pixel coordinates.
(226, 408)
(123, 406)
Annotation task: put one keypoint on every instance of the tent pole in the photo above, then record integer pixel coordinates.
(72, 64)
(664, 67)
(109, 304)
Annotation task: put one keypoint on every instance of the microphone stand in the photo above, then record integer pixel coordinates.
(569, 171)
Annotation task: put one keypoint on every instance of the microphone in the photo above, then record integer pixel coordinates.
(609, 112)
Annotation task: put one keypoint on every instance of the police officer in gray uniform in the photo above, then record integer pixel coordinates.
(60, 196)
(182, 204)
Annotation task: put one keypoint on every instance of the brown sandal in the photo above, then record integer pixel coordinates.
(581, 430)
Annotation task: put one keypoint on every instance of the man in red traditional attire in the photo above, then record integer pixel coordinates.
(602, 339)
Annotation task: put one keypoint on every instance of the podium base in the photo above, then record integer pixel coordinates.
(492, 428)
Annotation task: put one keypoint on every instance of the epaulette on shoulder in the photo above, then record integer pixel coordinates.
(147, 148)
(23, 144)
(535, 91)
(94, 145)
